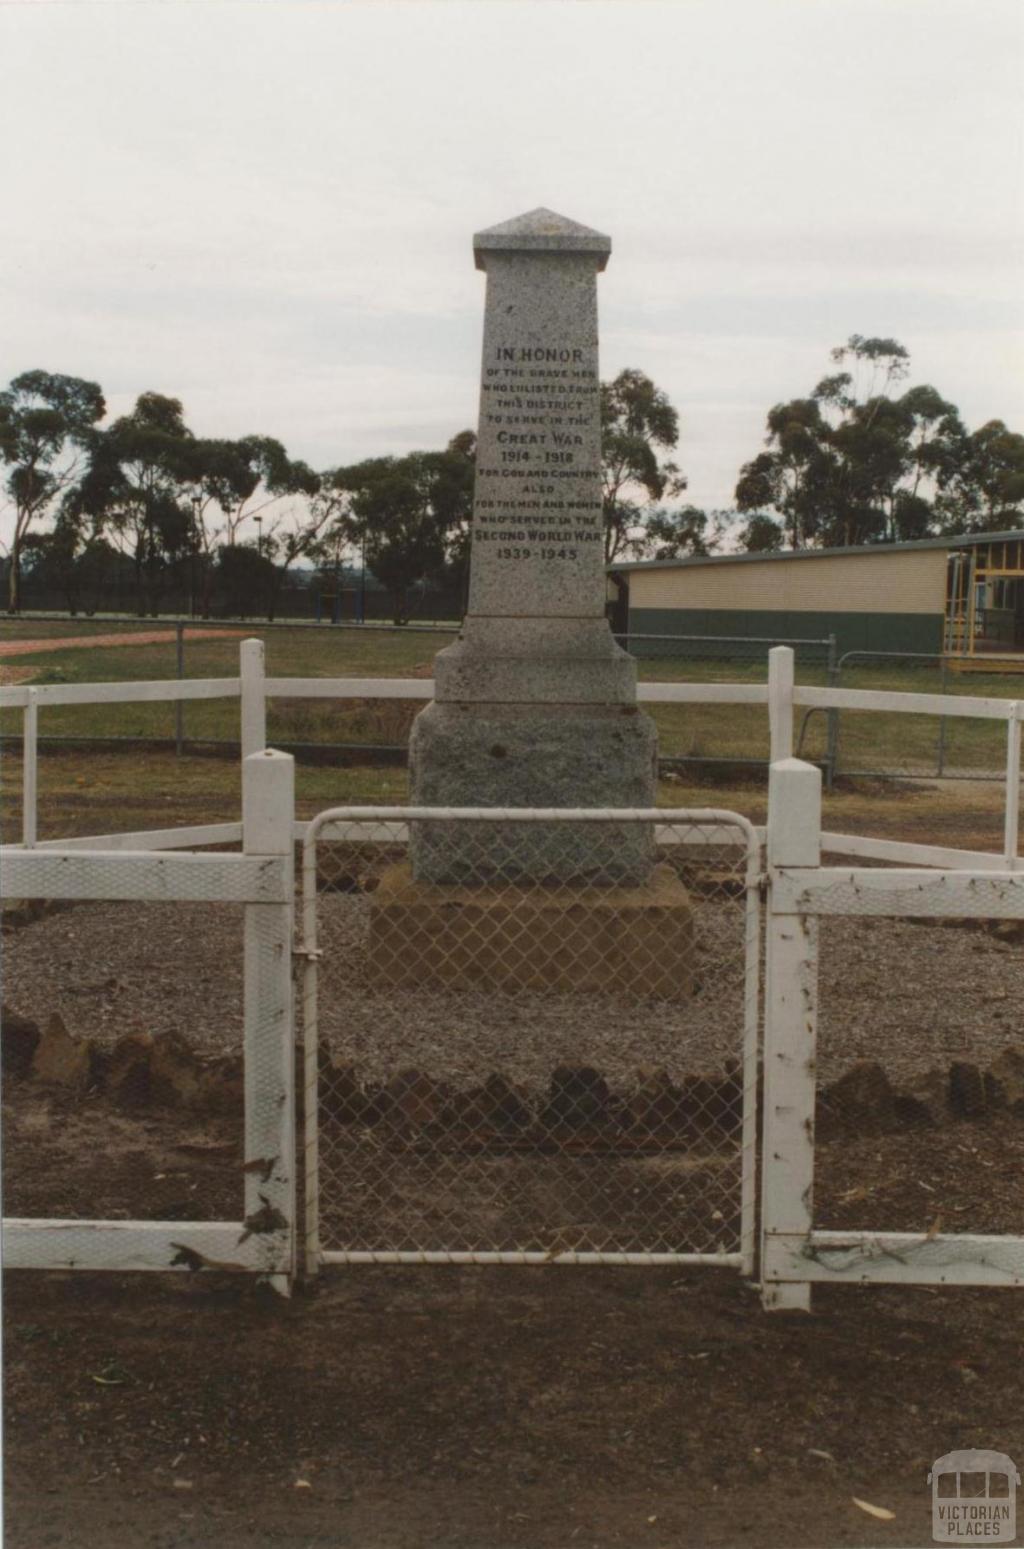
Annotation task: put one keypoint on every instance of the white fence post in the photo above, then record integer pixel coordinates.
(310, 1064)
(30, 770)
(780, 702)
(252, 673)
(268, 815)
(791, 996)
(1011, 820)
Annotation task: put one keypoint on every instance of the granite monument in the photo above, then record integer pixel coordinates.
(535, 704)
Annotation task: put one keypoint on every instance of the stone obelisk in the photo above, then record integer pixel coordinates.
(535, 704)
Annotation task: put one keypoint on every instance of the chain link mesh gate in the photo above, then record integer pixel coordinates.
(545, 1060)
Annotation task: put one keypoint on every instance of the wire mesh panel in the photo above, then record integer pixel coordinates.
(946, 746)
(723, 732)
(530, 1036)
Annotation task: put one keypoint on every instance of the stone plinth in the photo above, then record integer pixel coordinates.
(633, 941)
(549, 755)
(535, 661)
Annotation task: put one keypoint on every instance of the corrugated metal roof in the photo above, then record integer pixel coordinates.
(964, 540)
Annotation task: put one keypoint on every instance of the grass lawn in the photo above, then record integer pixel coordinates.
(868, 741)
(120, 791)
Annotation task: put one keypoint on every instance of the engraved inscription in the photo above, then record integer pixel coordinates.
(536, 445)
(538, 526)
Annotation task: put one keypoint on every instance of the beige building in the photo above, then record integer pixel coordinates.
(951, 594)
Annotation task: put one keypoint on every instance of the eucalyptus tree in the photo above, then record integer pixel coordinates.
(793, 476)
(981, 481)
(760, 534)
(408, 516)
(638, 427)
(136, 490)
(46, 428)
(853, 463)
(234, 482)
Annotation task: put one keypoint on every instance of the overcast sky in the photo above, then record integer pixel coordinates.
(265, 209)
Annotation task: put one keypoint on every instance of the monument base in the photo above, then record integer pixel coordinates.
(635, 941)
(526, 755)
(564, 661)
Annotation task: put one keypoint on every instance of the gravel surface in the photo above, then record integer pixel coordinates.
(115, 968)
(463, 1035)
(912, 996)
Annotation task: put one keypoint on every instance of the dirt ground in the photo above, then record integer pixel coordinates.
(124, 637)
(388, 1408)
(463, 1407)
(473, 1407)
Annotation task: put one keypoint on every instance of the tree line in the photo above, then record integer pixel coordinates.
(858, 461)
(146, 497)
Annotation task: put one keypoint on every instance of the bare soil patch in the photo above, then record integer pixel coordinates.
(123, 637)
(10, 676)
(527, 1408)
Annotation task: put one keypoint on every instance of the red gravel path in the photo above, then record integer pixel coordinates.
(127, 637)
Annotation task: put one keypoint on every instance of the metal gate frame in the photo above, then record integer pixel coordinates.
(385, 824)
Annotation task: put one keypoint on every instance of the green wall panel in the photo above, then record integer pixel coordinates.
(853, 631)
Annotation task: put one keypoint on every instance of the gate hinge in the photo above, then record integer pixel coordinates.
(308, 954)
(762, 887)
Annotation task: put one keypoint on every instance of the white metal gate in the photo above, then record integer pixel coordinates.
(550, 1056)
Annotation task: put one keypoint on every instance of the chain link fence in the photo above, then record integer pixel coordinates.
(521, 1046)
(866, 744)
(723, 740)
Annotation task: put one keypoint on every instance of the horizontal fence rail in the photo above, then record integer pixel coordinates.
(970, 707)
(896, 1258)
(901, 852)
(919, 894)
(350, 688)
(161, 689)
(150, 839)
(222, 1246)
(50, 873)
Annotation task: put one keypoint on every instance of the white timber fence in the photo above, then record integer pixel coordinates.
(780, 696)
(262, 1238)
(801, 892)
(917, 881)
